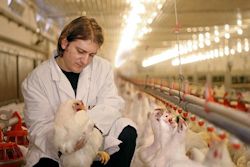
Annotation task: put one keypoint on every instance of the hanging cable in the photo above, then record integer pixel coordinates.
(177, 30)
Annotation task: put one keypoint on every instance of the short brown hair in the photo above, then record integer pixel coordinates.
(81, 28)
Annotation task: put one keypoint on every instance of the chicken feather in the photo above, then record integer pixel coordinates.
(72, 124)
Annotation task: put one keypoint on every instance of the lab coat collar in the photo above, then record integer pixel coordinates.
(55, 69)
(84, 84)
(61, 80)
(84, 81)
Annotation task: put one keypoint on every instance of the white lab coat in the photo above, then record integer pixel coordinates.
(46, 87)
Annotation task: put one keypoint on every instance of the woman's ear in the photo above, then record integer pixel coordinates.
(64, 43)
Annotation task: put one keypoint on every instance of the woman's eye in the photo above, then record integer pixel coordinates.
(80, 51)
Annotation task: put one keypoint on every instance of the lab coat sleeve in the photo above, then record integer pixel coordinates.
(38, 114)
(109, 103)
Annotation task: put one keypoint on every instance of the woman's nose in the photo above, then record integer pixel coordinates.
(85, 59)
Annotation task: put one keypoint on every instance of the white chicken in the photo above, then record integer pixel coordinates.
(72, 124)
(195, 140)
(167, 130)
(196, 154)
(138, 109)
(218, 155)
(148, 153)
(146, 135)
(139, 112)
(128, 97)
(196, 145)
(173, 153)
(145, 154)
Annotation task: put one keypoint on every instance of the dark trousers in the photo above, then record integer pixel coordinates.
(46, 162)
(122, 158)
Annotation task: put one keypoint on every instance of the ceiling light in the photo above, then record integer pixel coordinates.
(207, 28)
(217, 39)
(216, 53)
(246, 48)
(226, 27)
(150, 20)
(195, 45)
(154, 14)
(189, 43)
(186, 60)
(194, 29)
(216, 32)
(227, 35)
(170, 53)
(207, 42)
(246, 45)
(201, 56)
(239, 22)
(189, 30)
(201, 45)
(201, 37)
(226, 50)
(239, 31)
(125, 17)
(200, 28)
(232, 51)
(135, 28)
(239, 46)
(194, 36)
(221, 52)
(207, 35)
(159, 6)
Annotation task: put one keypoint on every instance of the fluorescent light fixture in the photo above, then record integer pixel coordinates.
(201, 56)
(217, 39)
(246, 45)
(232, 51)
(137, 21)
(227, 27)
(169, 54)
(227, 35)
(239, 31)
(129, 31)
(226, 50)
(239, 46)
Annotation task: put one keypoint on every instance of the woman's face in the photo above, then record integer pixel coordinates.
(77, 54)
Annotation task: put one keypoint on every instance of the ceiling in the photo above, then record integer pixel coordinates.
(194, 17)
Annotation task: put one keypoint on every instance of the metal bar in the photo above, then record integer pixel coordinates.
(228, 112)
(234, 127)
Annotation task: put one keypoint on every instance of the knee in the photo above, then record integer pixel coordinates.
(128, 135)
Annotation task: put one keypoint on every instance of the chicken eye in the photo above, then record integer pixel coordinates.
(78, 104)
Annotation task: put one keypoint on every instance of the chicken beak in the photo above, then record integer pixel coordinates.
(181, 123)
(80, 106)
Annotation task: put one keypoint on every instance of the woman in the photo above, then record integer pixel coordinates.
(75, 72)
